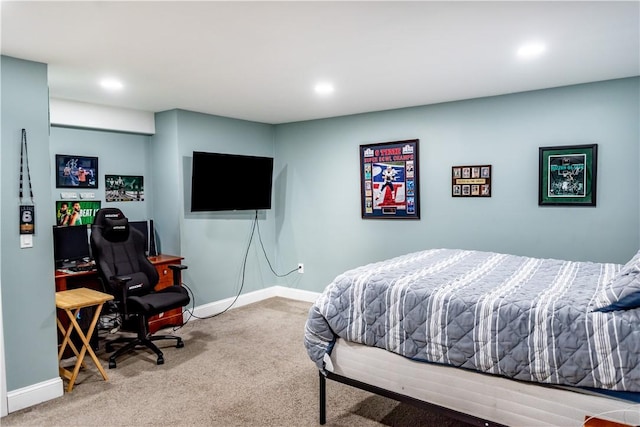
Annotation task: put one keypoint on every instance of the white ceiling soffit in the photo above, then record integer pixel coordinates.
(67, 113)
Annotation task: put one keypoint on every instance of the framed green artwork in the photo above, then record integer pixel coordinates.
(568, 175)
(124, 188)
(76, 212)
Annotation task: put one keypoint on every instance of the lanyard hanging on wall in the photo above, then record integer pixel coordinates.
(27, 211)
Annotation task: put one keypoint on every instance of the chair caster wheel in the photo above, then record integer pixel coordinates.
(180, 344)
(112, 364)
(160, 360)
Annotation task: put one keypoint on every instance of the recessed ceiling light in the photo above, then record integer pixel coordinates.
(111, 84)
(531, 50)
(324, 88)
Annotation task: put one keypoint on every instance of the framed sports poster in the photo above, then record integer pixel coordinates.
(568, 175)
(76, 171)
(389, 180)
(124, 188)
(471, 181)
(76, 212)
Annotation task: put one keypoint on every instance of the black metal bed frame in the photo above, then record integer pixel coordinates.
(469, 419)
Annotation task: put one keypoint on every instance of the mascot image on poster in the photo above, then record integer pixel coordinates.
(388, 184)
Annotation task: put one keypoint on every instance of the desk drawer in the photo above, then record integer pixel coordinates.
(171, 317)
(168, 318)
(165, 276)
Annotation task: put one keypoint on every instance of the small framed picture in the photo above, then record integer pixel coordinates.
(76, 171)
(124, 188)
(471, 181)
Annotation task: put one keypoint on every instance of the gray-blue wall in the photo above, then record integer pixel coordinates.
(318, 218)
(213, 244)
(118, 154)
(28, 304)
(166, 174)
(316, 202)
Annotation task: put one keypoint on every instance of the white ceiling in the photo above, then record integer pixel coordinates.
(260, 60)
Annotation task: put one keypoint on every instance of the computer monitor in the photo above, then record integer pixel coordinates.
(143, 228)
(70, 245)
(147, 230)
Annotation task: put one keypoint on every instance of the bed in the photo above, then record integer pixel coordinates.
(495, 339)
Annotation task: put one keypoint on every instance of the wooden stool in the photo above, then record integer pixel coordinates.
(71, 302)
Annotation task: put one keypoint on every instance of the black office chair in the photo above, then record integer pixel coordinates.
(127, 274)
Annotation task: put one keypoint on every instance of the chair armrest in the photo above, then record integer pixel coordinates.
(177, 273)
(121, 280)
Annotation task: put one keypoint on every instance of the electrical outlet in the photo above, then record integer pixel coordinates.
(300, 268)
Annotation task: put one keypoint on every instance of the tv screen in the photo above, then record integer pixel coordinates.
(229, 182)
(70, 244)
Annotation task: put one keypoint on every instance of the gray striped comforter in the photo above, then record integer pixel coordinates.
(524, 318)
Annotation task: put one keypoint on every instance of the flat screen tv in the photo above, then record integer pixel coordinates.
(230, 182)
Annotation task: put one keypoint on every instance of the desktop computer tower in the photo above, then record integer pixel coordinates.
(153, 250)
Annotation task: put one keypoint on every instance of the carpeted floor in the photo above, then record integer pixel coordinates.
(246, 367)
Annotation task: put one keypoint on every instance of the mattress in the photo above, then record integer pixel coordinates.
(489, 397)
(531, 319)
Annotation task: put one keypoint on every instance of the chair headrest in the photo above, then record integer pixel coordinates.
(113, 224)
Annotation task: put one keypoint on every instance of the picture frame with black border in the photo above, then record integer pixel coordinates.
(75, 171)
(389, 180)
(471, 181)
(568, 175)
(124, 188)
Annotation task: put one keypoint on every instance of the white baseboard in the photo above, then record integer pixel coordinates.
(34, 394)
(251, 297)
(51, 389)
(296, 294)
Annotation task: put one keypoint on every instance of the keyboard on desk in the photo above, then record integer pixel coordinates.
(83, 267)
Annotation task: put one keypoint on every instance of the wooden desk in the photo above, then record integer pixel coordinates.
(171, 317)
(72, 301)
(89, 279)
